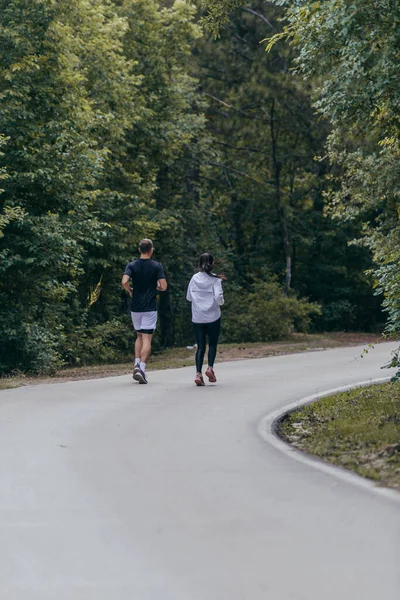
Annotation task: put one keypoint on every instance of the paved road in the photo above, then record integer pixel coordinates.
(114, 491)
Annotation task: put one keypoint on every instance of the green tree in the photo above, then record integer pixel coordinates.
(120, 120)
(218, 13)
(266, 184)
(59, 62)
(353, 49)
(152, 188)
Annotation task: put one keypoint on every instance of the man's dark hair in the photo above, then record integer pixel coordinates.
(145, 246)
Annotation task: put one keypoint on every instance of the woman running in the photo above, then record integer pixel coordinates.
(206, 295)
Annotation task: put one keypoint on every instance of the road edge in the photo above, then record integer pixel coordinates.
(268, 429)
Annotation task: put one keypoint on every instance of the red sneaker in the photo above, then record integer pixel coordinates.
(211, 375)
(199, 379)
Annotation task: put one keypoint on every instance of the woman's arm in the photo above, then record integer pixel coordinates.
(218, 292)
(189, 292)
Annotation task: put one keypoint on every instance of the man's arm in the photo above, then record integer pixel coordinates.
(161, 281)
(126, 285)
(162, 285)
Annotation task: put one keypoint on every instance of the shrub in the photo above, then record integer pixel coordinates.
(27, 347)
(109, 342)
(264, 314)
(41, 352)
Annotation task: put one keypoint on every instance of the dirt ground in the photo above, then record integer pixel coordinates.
(183, 357)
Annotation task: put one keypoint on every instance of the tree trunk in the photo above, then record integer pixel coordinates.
(277, 165)
(165, 310)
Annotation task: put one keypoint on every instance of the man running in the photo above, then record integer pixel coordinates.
(147, 277)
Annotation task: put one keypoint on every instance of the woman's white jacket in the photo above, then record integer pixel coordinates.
(206, 295)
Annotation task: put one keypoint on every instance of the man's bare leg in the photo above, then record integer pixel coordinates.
(142, 349)
(138, 349)
(138, 346)
(146, 347)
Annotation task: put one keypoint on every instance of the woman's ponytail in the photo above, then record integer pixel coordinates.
(206, 263)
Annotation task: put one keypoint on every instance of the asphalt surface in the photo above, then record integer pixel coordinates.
(111, 490)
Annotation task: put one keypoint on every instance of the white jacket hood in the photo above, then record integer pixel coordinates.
(203, 280)
(206, 295)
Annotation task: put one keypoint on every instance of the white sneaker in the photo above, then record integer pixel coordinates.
(140, 376)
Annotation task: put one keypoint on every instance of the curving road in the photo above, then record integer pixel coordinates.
(114, 491)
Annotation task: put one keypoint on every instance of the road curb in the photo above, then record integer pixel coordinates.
(268, 429)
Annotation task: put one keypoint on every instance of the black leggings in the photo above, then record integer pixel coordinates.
(201, 330)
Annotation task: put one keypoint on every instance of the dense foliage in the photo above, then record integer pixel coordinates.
(267, 179)
(351, 52)
(353, 48)
(121, 119)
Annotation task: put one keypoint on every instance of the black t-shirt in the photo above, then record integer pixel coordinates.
(144, 273)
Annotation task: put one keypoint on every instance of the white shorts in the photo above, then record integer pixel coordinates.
(144, 322)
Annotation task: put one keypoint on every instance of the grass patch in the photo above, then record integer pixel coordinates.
(358, 430)
(182, 357)
(8, 383)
